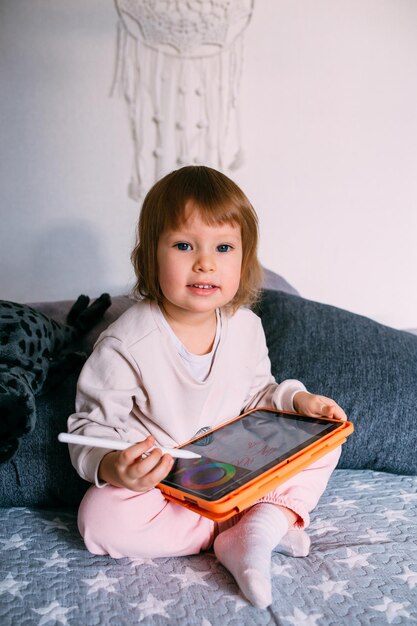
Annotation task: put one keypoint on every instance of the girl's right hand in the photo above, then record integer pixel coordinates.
(130, 469)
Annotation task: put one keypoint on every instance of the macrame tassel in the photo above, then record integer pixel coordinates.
(128, 81)
(133, 88)
(121, 35)
(202, 138)
(236, 54)
(183, 156)
(158, 118)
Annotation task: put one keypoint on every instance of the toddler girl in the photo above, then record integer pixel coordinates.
(189, 355)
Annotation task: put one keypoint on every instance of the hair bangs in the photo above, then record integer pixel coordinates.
(216, 204)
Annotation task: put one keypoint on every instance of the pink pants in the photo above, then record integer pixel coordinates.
(122, 523)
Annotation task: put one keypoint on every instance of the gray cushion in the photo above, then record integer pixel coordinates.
(368, 368)
(41, 473)
(277, 283)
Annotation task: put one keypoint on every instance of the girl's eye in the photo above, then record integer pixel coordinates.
(224, 247)
(183, 246)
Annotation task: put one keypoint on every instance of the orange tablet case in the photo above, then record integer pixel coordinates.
(244, 496)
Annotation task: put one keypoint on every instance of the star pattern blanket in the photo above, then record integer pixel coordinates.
(362, 570)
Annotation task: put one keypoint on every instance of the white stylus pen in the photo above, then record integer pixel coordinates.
(114, 444)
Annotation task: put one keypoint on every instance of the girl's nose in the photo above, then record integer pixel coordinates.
(204, 263)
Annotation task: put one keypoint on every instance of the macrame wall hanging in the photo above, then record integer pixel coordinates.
(179, 65)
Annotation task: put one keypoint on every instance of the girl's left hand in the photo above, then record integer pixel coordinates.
(317, 406)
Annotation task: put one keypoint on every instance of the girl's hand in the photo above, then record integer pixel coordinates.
(129, 469)
(317, 406)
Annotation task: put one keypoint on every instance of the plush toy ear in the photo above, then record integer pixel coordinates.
(83, 316)
(77, 308)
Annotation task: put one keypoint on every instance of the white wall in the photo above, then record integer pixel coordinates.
(329, 105)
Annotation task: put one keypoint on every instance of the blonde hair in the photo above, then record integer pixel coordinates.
(219, 200)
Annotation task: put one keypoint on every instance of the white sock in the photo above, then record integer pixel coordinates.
(295, 543)
(245, 550)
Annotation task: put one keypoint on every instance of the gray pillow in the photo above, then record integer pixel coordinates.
(368, 368)
(41, 473)
(274, 281)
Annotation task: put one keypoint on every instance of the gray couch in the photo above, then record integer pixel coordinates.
(362, 568)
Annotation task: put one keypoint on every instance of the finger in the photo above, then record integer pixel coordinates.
(335, 411)
(158, 473)
(144, 464)
(340, 414)
(134, 452)
(163, 468)
(327, 410)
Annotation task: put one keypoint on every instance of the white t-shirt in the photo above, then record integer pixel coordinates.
(199, 365)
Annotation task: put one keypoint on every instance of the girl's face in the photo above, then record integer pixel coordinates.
(199, 265)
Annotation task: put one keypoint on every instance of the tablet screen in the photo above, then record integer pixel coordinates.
(242, 450)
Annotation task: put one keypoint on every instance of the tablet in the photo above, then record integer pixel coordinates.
(248, 456)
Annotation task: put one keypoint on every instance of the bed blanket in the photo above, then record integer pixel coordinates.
(362, 569)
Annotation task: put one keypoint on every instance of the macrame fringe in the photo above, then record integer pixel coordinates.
(181, 111)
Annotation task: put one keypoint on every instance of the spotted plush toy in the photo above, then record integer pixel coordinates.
(35, 356)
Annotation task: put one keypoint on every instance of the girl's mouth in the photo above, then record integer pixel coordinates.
(203, 286)
(203, 289)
